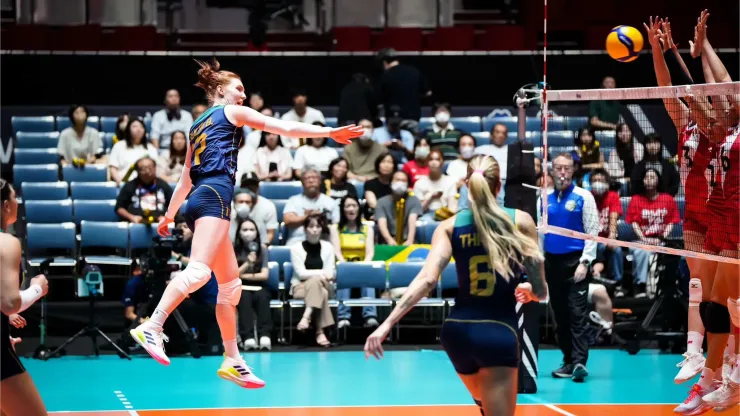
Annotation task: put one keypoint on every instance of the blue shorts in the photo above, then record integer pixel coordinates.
(472, 345)
(211, 197)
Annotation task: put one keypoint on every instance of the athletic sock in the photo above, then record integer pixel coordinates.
(231, 349)
(156, 321)
(694, 342)
(707, 378)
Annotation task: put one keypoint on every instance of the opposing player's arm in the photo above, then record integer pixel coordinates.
(425, 281)
(535, 266)
(184, 184)
(10, 258)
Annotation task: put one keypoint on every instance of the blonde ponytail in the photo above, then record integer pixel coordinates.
(496, 230)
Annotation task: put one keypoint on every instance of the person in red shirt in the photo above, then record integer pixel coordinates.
(419, 166)
(610, 209)
(652, 215)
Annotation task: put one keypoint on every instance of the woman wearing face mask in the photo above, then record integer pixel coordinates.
(316, 154)
(388, 210)
(379, 187)
(251, 255)
(436, 190)
(458, 168)
(313, 277)
(418, 167)
(272, 161)
(172, 161)
(669, 179)
(610, 209)
(337, 186)
(79, 144)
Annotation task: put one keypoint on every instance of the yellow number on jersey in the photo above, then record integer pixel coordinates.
(199, 146)
(481, 283)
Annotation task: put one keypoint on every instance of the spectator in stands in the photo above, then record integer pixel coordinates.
(121, 123)
(246, 158)
(437, 191)
(314, 273)
(261, 210)
(357, 101)
(443, 135)
(362, 153)
(669, 178)
(256, 101)
(272, 161)
(170, 119)
(380, 186)
(604, 115)
(610, 209)
(242, 210)
(458, 168)
(145, 198)
(419, 166)
(310, 202)
(652, 214)
(314, 154)
(251, 255)
(303, 113)
(172, 161)
(353, 240)
(396, 214)
(197, 110)
(402, 86)
(80, 144)
(337, 186)
(627, 153)
(125, 153)
(587, 155)
(396, 140)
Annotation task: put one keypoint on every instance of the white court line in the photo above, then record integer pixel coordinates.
(125, 402)
(559, 410)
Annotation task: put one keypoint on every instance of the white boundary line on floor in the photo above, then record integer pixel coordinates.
(125, 402)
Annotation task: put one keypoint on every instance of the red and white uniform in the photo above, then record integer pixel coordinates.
(695, 157)
(724, 199)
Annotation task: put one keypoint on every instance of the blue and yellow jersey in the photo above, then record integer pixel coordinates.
(215, 144)
(483, 294)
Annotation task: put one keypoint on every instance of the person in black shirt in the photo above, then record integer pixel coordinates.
(403, 86)
(379, 187)
(357, 101)
(337, 186)
(669, 178)
(145, 198)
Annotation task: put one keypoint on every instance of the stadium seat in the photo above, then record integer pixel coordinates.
(273, 282)
(454, 38)
(401, 275)
(108, 235)
(43, 124)
(44, 191)
(351, 38)
(606, 138)
(36, 140)
(534, 124)
(108, 124)
(331, 122)
(279, 190)
(46, 240)
(94, 190)
(34, 173)
(511, 123)
(107, 141)
(398, 38)
(483, 138)
(359, 187)
(141, 235)
(677, 232)
(148, 124)
(625, 232)
(425, 123)
(36, 156)
(448, 281)
(280, 254)
(560, 138)
(287, 273)
(575, 123)
(49, 212)
(351, 275)
(89, 173)
(425, 231)
(63, 122)
(625, 204)
(555, 123)
(279, 208)
(538, 152)
(91, 210)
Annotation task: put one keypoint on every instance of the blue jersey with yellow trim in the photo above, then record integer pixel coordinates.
(483, 294)
(215, 144)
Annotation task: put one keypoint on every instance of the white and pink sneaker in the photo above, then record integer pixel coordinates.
(152, 341)
(690, 367)
(237, 371)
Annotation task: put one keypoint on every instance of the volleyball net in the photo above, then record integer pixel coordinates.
(658, 162)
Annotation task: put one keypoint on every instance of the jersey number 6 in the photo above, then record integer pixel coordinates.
(482, 283)
(199, 146)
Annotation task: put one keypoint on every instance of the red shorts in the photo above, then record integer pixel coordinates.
(724, 229)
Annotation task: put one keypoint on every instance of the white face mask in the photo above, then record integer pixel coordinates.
(248, 235)
(442, 117)
(467, 152)
(399, 187)
(599, 188)
(422, 152)
(367, 133)
(242, 210)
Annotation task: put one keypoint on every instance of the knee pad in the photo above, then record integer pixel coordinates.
(695, 292)
(718, 319)
(229, 293)
(734, 307)
(194, 277)
(703, 312)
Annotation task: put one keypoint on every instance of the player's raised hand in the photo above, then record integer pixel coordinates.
(374, 343)
(163, 228)
(653, 31)
(344, 134)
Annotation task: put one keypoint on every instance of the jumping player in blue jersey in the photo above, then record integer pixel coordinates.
(492, 246)
(210, 168)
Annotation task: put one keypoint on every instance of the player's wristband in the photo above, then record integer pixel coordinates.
(30, 296)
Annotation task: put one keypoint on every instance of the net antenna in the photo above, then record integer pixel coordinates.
(692, 131)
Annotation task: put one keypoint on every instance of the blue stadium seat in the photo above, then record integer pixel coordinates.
(287, 273)
(43, 124)
(538, 152)
(425, 123)
(107, 235)
(63, 122)
(49, 212)
(425, 231)
(36, 156)
(401, 275)
(606, 138)
(279, 207)
(107, 141)
(279, 190)
(331, 121)
(34, 173)
(467, 124)
(32, 140)
(509, 122)
(280, 254)
(352, 275)
(681, 202)
(45, 240)
(91, 210)
(555, 123)
(90, 173)
(141, 235)
(44, 191)
(625, 232)
(534, 124)
(560, 138)
(273, 283)
(148, 124)
(94, 190)
(677, 232)
(483, 138)
(575, 123)
(359, 187)
(108, 124)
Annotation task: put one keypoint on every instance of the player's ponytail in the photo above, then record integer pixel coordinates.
(496, 230)
(210, 77)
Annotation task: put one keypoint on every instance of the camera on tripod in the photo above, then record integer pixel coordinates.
(155, 263)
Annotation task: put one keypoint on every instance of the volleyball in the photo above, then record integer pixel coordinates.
(624, 43)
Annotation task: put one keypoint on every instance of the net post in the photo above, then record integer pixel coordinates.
(545, 113)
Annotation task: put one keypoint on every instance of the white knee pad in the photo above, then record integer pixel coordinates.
(734, 307)
(695, 292)
(194, 277)
(229, 293)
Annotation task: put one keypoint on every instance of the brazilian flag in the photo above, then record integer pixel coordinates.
(403, 254)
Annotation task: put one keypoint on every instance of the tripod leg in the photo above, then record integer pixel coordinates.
(194, 349)
(80, 333)
(110, 341)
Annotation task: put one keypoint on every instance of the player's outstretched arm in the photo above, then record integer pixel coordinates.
(245, 116)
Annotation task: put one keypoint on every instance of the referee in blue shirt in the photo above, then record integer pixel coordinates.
(567, 262)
